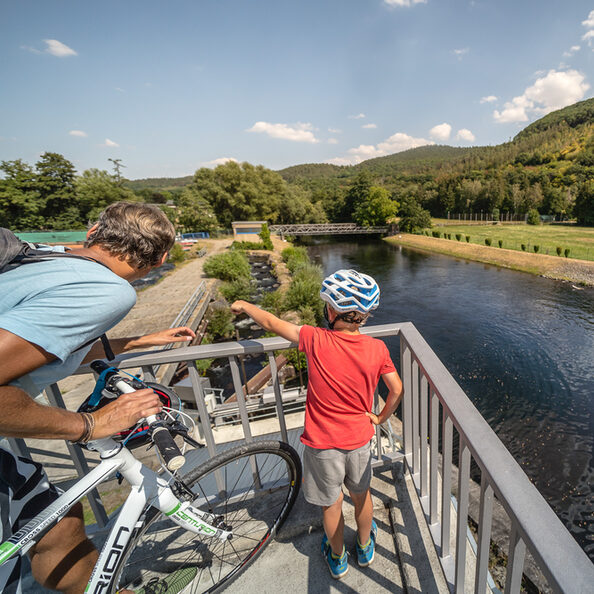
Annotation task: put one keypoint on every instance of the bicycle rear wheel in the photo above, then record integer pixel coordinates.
(253, 487)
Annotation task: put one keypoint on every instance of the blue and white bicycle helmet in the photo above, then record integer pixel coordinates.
(349, 290)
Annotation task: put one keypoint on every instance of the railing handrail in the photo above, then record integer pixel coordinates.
(561, 559)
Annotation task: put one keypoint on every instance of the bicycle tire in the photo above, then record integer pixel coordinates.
(162, 551)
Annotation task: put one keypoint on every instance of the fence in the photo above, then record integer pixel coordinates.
(434, 406)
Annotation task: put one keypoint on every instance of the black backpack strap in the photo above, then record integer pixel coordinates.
(107, 347)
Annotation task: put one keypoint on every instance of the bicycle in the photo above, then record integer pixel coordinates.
(185, 528)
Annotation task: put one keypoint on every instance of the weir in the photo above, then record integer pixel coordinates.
(438, 421)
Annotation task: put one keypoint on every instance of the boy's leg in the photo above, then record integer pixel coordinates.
(363, 514)
(334, 525)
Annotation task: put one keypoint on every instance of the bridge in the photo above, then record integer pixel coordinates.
(326, 229)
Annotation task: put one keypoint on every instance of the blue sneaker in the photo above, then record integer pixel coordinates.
(338, 567)
(365, 554)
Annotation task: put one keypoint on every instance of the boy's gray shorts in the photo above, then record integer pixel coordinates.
(325, 471)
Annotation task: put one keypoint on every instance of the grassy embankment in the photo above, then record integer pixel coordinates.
(578, 268)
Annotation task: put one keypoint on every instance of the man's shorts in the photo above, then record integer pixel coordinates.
(325, 471)
(24, 492)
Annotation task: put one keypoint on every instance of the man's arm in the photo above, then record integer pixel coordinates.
(394, 385)
(123, 345)
(267, 320)
(21, 416)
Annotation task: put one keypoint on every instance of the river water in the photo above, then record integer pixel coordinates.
(521, 347)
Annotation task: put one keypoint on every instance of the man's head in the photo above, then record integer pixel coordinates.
(350, 296)
(139, 234)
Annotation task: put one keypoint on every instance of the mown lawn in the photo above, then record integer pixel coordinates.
(579, 240)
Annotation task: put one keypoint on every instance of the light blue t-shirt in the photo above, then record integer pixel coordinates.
(60, 305)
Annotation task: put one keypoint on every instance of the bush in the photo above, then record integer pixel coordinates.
(559, 250)
(536, 248)
(220, 321)
(229, 266)
(500, 243)
(265, 237)
(449, 236)
(496, 215)
(436, 233)
(567, 252)
(247, 245)
(468, 239)
(272, 301)
(523, 247)
(533, 217)
(177, 254)
(304, 290)
(487, 241)
(458, 236)
(413, 216)
(295, 257)
(240, 288)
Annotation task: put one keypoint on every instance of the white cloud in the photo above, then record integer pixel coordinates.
(554, 90)
(110, 143)
(441, 131)
(58, 49)
(405, 3)
(588, 36)
(78, 133)
(332, 141)
(120, 90)
(461, 52)
(219, 161)
(299, 132)
(589, 22)
(31, 49)
(394, 144)
(465, 134)
(334, 131)
(488, 99)
(572, 50)
(359, 116)
(369, 126)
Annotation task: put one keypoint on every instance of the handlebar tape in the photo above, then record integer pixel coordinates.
(167, 447)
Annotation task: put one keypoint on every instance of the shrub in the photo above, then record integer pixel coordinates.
(436, 233)
(247, 245)
(228, 266)
(458, 236)
(500, 242)
(487, 241)
(533, 217)
(413, 216)
(567, 252)
(523, 247)
(295, 257)
(305, 289)
(220, 321)
(559, 250)
(449, 236)
(272, 301)
(468, 239)
(495, 215)
(177, 254)
(240, 288)
(536, 248)
(265, 237)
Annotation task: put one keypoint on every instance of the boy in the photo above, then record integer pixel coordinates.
(344, 367)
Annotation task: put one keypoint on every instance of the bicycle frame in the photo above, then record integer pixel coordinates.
(147, 488)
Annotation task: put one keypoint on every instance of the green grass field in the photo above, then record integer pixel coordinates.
(580, 240)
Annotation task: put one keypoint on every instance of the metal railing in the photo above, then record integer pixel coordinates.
(433, 403)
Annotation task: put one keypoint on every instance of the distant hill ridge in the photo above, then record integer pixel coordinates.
(567, 131)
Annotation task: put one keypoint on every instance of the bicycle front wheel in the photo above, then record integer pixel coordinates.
(252, 487)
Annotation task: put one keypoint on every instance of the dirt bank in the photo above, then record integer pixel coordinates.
(575, 271)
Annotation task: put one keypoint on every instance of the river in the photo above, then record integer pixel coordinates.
(521, 347)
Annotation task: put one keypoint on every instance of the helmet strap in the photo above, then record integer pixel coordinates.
(327, 317)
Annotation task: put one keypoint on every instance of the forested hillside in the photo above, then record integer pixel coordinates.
(547, 167)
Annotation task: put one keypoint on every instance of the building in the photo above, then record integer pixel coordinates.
(247, 230)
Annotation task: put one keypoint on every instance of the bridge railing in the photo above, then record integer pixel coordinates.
(434, 406)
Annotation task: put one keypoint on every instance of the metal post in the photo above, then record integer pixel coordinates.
(278, 396)
(406, 398)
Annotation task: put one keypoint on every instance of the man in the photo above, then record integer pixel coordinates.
(51, 313)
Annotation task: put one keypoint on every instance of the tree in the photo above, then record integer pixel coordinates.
(21, 206)
(296, 207)
(412, 216)
(356, 194)
(584, 204)
(95, 189)
(193, 212)
(55, 183)
(376, 209)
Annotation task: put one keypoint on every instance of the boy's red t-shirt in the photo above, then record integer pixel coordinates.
(343, 370)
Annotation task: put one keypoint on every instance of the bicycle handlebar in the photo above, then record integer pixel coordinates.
(160, 435)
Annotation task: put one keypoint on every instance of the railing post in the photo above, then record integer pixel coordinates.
(415, 420)
(462, 517)
(434, 455)
(484, 536)
(446, 490)
(515, 561)
(405, 367)
(278, 396)
(423, 435)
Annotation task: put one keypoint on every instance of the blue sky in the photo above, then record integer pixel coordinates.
(172, 86)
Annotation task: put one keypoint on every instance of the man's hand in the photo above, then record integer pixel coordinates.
(180, 334)
(125, 412)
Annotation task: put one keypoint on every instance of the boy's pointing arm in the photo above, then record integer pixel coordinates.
(267, 320)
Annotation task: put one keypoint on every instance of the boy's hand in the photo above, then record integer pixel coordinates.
(237, 307)
(373, 418)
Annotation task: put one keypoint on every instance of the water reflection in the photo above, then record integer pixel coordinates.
(521, 347)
